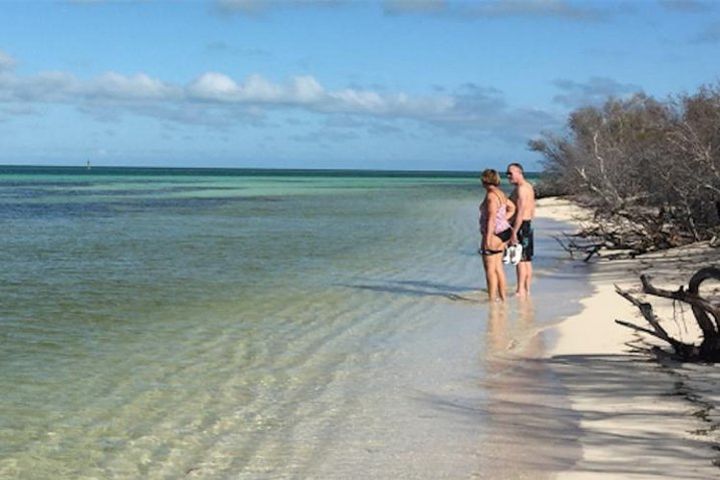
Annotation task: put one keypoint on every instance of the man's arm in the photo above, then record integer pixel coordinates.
(510, 208)
(522, 204)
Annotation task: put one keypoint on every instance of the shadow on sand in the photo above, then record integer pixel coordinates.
(642, 415)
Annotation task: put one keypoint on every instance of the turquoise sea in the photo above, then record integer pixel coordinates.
(199, 323)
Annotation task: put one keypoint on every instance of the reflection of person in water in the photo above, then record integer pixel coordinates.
(521, 403)
(526, 315)
(507, 333)
(497, 331)
(528, 333)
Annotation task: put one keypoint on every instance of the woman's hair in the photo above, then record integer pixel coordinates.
(490, 177)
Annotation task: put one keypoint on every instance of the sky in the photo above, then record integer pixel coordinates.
(340, 84)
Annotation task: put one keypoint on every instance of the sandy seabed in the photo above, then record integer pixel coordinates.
(625, 415)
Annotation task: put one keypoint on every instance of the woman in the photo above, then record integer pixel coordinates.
(495, 229)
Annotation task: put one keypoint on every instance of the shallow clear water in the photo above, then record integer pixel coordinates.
(221, 325)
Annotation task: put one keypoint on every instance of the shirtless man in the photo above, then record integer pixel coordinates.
(522, 232)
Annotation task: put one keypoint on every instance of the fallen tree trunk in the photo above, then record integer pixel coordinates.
(706, 313)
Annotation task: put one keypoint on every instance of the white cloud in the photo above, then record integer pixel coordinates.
(6, 61)
(120, 87)
(44, 87)
(306, 89)
(220, 88)
(307, 93)
(64, 87)
(359, 101)
(216, 100)
(258, 90)
(213, 86)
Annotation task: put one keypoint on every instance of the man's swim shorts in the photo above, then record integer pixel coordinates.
(525, 237)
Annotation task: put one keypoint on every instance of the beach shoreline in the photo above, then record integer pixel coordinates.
(635, 417)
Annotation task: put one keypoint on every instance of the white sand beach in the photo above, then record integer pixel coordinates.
(635, 417)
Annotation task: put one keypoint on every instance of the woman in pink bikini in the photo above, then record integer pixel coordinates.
(495, 229)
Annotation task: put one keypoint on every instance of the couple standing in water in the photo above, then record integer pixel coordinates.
(506, 221)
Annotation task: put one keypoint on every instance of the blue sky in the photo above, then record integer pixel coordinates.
(420, 85)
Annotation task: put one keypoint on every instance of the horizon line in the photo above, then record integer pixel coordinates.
(267, 169)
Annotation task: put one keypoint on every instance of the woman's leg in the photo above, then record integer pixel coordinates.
(490, 275)
(500, 275)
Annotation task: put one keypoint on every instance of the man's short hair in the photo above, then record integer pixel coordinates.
(518, 166)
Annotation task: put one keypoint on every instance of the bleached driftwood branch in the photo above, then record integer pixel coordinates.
(707, 316)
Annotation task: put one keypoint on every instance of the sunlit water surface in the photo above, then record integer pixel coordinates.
(164, 324)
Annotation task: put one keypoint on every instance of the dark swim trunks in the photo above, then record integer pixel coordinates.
(525, 237)
(505, 235)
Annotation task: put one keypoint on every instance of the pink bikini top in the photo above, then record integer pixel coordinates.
(501, 221)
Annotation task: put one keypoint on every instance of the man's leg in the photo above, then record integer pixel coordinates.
(520, 287)
(521, 290)
(524, 277)
(524, 268)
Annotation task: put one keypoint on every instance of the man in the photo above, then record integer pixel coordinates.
(522, 232)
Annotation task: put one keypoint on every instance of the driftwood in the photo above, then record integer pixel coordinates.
(624, 232)
(574, 245)
(588, 246)
(611, 233)
(706, 313)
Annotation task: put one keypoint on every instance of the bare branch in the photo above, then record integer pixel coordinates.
(647, 312)
(709, 348)
(684, 296)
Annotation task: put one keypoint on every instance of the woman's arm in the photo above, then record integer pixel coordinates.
(492, 204)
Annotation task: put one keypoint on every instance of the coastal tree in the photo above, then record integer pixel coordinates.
(649, 169)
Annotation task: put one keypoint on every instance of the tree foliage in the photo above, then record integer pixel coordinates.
(650, 168)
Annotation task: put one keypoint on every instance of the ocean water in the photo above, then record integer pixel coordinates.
(249, 324)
